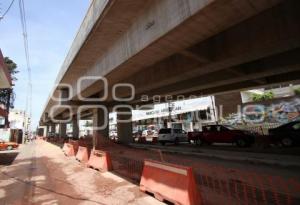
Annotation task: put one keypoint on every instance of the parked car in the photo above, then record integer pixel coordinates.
(149, 134)
(287, 134)
(145, 133)
(222, 134)
(8, 145)
(172, 135)
(136, 134)
(193, 137)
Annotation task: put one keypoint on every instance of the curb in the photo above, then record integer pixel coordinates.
(249, 160)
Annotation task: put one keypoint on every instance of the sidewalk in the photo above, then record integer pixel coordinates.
(247, 157)
(41, 174)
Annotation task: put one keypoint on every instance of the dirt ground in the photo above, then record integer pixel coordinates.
(41, 174)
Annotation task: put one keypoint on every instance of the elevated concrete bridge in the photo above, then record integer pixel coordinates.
(175, 48)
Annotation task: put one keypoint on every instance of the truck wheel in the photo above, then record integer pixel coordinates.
(199, 142)
(209, 143)
(176, 141)
(287, 142)
(162, 143)
(241, 142)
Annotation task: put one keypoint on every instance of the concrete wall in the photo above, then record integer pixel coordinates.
(229, 102)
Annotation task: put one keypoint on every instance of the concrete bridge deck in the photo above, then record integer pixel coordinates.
(159, 51)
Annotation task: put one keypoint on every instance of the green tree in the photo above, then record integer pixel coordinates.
(7, 96)
(261, 97)
(297, 91)
(12, 68)
(268, 95)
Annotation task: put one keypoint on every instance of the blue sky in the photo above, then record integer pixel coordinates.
(51, 27)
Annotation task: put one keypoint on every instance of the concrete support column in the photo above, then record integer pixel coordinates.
(124, 125)
(75, 127)
(62, 130)
(53, 127)
(64, 95)
(47, 130)
(100, 127)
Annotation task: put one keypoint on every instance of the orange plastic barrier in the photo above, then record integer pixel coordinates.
(60, 140)
(68, 149)
(82, 154)
(75, 144)
(65, 147)
(100, 160)
(170, 182)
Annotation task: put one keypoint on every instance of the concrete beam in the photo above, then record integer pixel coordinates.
(278, 64)
(240, 44)
(149, 32)
(191, 55)
(148, 46)
(289, 78)
(101, 27)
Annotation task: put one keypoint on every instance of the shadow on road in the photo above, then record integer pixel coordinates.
(7, 158)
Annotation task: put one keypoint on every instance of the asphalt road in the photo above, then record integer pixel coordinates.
(272, 149)
(234, 177)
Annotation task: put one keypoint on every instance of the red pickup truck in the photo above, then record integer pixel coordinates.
(222, 134)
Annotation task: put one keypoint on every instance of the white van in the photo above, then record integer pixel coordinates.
(172, 135)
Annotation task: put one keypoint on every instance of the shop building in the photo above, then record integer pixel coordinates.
(186, 114)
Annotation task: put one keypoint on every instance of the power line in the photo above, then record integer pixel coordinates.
(7, 10)
(25, 38)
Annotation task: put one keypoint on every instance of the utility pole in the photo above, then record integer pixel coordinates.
(170, 109)
(214, 108)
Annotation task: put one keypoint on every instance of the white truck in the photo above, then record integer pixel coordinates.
(172, 135)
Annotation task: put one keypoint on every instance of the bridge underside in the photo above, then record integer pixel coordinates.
(214, 48)
(258, 51)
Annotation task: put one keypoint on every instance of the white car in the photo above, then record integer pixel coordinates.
(145, 133)
(113, 135)
(172, 135)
